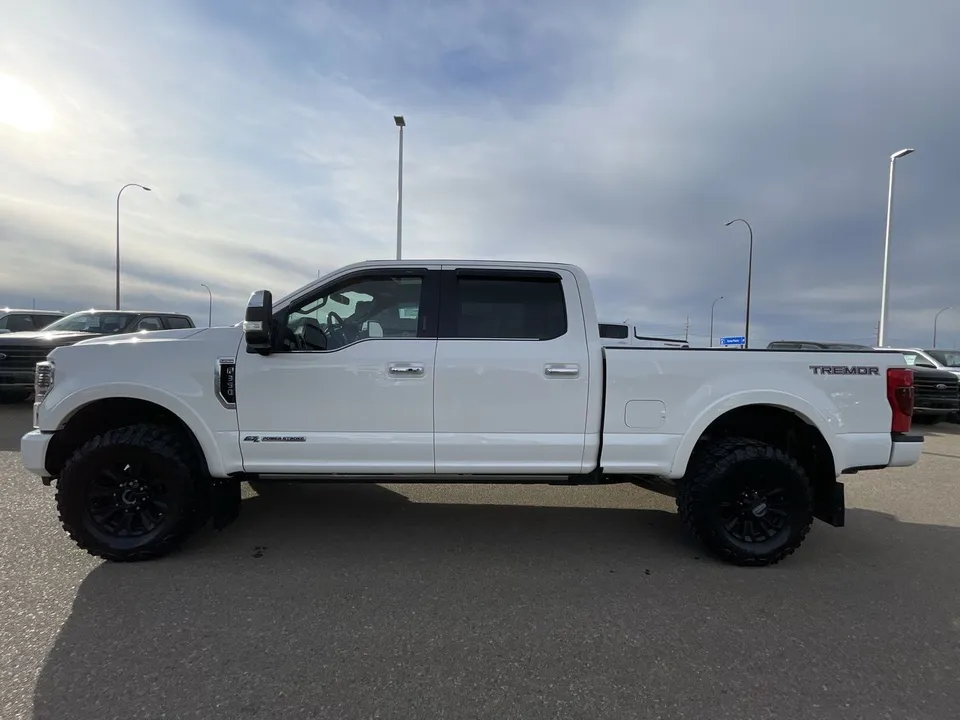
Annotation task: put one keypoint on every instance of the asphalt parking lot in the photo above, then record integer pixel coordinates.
(500, 602)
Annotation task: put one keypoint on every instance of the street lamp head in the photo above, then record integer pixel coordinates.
(145, 188)
(400, 122)
(901, 153)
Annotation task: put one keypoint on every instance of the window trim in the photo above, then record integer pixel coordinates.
(449, 298)
(426, 313)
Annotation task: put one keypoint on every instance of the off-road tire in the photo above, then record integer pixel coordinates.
(716, 474)
(174, 465)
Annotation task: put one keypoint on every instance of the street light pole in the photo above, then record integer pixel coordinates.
(142, 187)
(746, 330)
(935, 318)
(210, 306)
(886, 249)
(712, 306)
(400, 123)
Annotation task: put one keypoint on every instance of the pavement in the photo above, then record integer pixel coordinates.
(424, 601)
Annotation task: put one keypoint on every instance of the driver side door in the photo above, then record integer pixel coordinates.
(351, 388)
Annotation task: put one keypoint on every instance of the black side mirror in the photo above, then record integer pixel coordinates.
(257, 322)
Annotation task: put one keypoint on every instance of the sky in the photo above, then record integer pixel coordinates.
(618, 135)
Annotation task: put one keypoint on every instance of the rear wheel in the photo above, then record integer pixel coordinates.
(747, 502)
(130, 493)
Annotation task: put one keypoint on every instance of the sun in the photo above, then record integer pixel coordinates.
(22, 107)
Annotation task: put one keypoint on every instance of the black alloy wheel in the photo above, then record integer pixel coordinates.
(747, 502)
(131, 493)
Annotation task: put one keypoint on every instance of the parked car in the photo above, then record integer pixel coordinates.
(21, 351)
(14, 320)
(455, 371)
(944, 361)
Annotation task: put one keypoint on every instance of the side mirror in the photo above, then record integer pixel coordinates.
(256, 322)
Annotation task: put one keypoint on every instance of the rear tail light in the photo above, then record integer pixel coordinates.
(900, 397)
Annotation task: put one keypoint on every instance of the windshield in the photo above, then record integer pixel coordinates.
(100, 323)
(950, 358)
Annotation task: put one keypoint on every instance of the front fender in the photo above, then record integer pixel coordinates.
(56, 417)
(787, 401)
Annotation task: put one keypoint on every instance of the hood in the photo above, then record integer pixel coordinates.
(40, 338)
(932, 374)
(141, 337)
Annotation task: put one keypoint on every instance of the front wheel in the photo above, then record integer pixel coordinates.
(129, 493)
(747, 502)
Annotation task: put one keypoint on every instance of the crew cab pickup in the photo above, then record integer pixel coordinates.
(454, 371)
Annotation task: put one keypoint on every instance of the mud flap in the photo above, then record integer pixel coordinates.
(829, 505)
(224, 501)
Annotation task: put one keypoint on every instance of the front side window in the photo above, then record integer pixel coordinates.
(494, 307)
(365, 307)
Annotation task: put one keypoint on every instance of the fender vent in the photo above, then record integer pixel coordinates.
(226, 382)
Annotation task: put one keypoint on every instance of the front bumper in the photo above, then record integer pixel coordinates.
(905, 450)
(16, 380)
(33, 452)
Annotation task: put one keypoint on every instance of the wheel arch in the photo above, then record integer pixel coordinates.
(746, 416)
(96, 416)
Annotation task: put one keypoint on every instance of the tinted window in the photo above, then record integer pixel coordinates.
(363, 307)
(96, 323)
(41, 321)
(509, 308)
(150, 323)
(614, 332)
(16, 322)
(177, 323)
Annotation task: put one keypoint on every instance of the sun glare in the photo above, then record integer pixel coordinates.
(22, 107)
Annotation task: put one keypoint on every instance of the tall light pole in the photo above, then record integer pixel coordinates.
(401, 123)
(210, 306)
(935, 318)
(142, 187)
(712, 306)
(882, 335)
(746, 330)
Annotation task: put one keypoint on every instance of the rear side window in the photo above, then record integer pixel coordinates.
(177, 323)
(614, 332)
(501, 306)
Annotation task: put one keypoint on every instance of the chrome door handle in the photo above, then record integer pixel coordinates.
(406, 369)
(570, 371)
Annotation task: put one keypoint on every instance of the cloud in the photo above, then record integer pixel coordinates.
(620, 136)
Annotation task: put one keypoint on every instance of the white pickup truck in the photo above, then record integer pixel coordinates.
(453, 371)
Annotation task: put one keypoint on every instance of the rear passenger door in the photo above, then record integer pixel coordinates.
(512, 372)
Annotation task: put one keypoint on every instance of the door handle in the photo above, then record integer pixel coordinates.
(406, 369)
(568, 371)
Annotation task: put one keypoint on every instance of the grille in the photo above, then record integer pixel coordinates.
(928, 387)
(22, 358)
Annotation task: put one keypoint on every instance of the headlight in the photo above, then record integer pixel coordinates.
(42, 380)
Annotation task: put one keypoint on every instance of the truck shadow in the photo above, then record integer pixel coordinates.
(352, 601)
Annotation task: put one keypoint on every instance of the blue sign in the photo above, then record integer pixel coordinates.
(739, 340)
